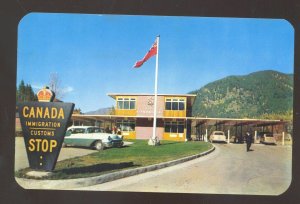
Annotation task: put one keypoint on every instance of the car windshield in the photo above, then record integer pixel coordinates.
(68, 133)
(219, 133)
(267, 134)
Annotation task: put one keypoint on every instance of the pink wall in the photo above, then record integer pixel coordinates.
(145, 105)
(146, 132)
(144, 128)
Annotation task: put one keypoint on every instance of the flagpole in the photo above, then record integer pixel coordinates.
(154, 140)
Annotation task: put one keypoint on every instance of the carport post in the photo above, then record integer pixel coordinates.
(206, 135)
(282, 138)
(255, 136)
(228, 141)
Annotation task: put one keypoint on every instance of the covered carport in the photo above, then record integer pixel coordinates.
(104, 121)
(198, 128)
(234, 128)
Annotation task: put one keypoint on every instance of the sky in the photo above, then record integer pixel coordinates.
(94, 54)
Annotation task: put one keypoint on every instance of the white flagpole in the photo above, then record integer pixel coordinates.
(154, 138)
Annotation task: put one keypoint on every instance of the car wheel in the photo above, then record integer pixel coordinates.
(64, 145)
(98, 145)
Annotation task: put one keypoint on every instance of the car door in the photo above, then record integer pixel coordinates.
(99, 134)
(77, 138)
(90, 136)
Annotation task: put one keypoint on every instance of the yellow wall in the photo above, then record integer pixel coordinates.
(174, 113)
(125, 112)
(174, 136)
(129, 134)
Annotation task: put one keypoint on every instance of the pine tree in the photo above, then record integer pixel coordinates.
(25, 93)
(21, 92)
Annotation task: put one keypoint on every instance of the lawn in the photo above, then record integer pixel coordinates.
(138, 154)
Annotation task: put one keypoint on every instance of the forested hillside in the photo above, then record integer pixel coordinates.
(259, 94)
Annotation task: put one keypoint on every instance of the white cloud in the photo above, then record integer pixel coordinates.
(68, 89)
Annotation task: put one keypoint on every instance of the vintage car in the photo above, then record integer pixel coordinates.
(217, 136)
(266, 138)
(90, 136)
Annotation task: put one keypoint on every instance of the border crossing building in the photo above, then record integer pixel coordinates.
(133, 117)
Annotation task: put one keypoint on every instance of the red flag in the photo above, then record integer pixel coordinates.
(150, 53)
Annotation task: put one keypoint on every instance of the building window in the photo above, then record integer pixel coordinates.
(175, 104)
(181, 104)
(126, 125)
(126, 103)
(168, 104)
(174, 127)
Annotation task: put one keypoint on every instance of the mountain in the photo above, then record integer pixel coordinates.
(253, 95)
(101, 111)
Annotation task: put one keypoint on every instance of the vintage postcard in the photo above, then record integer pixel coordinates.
(168, 104)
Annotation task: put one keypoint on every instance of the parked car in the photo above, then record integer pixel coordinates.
(266, 138)
(217, 136)
(90, 136)
(232, 139)
(288, 137)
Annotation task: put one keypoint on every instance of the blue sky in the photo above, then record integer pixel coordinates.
(94, 54)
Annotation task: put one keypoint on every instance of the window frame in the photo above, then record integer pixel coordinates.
(124, 99)
(127, 123)
(174, 125)
(171, 106)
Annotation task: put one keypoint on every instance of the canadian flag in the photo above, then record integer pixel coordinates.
(150, 53)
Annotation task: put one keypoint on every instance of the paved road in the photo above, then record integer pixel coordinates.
(21, 160)
(228, 170)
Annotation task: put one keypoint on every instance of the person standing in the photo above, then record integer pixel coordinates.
(114, 130)
(248, 139)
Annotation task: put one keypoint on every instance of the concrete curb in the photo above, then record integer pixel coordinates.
(90, 181)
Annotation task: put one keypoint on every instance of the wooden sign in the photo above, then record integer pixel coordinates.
(44, 125)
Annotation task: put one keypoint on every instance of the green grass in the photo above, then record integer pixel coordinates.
(139, 154)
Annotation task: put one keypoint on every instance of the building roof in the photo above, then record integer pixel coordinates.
(191, 96)
(113, 95)
(196, 120)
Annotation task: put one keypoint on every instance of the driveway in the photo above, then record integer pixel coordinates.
(228, 170)
(21, 160)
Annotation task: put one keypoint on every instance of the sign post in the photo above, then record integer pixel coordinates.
(228, 138)
(44, 125)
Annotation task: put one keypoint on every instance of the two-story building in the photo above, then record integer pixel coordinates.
(133, 117)
(135, 112)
